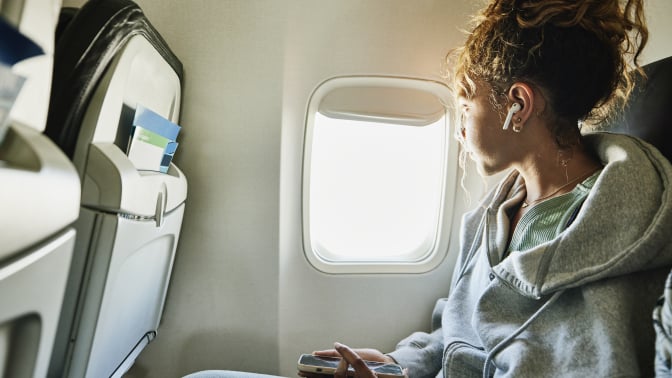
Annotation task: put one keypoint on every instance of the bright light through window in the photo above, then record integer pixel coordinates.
(375, 189)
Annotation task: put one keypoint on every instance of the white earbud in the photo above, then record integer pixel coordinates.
(512, 110)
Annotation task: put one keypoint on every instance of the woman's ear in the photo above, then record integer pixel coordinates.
(522, 94)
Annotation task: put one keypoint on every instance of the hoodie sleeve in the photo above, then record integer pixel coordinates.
(422, 353)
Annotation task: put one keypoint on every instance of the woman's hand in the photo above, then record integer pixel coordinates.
(351, 358)
(365, 354)
(357, 361)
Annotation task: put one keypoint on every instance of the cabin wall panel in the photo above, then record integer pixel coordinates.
(659, 19)
(222, 304)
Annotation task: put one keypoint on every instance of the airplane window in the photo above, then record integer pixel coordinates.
(375, 189)
(378, 156)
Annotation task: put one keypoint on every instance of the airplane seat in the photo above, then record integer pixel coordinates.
(39, 193)
(109, 61)
(64, 17)
(647, 116)
(647, 113)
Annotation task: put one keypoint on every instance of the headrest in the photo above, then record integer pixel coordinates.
(648, 114)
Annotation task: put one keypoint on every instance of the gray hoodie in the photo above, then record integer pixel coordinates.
(577, 306)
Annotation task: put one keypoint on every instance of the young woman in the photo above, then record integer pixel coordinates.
(562, 262)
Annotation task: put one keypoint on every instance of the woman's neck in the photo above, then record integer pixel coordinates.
(555, 173)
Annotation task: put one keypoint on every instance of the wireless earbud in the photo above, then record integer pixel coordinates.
(512, 110)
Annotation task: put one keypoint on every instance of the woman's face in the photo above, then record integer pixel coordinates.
(492, 148)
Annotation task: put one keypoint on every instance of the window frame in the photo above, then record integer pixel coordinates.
(438, 252)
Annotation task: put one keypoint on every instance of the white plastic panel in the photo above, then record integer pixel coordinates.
(111, 182)
(388, 103)
(40, 189)
(31, 290)
(126, 290)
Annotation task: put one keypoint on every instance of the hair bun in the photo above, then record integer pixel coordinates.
(576, 50)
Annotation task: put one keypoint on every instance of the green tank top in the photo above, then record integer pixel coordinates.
(546, 220)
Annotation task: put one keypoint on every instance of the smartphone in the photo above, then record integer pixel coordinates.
(327, 365)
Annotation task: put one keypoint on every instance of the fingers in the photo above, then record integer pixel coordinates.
(327, 353)
(353, 359)
(342, 369)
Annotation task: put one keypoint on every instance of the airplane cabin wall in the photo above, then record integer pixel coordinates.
(222, 306)
(236, 299)
(659, 20)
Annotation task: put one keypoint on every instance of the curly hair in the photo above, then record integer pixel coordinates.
(579, 53)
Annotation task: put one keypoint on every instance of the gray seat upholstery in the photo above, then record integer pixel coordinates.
(649, 111)
(648, 116)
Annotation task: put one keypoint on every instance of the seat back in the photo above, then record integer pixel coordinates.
(647, 114)
(109, 61)
(648, 117)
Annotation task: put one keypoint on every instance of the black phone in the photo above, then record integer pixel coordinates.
(327, 365)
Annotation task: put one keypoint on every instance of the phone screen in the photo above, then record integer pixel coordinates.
(320, 361)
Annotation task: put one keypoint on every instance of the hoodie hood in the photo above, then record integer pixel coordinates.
(624, 225)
